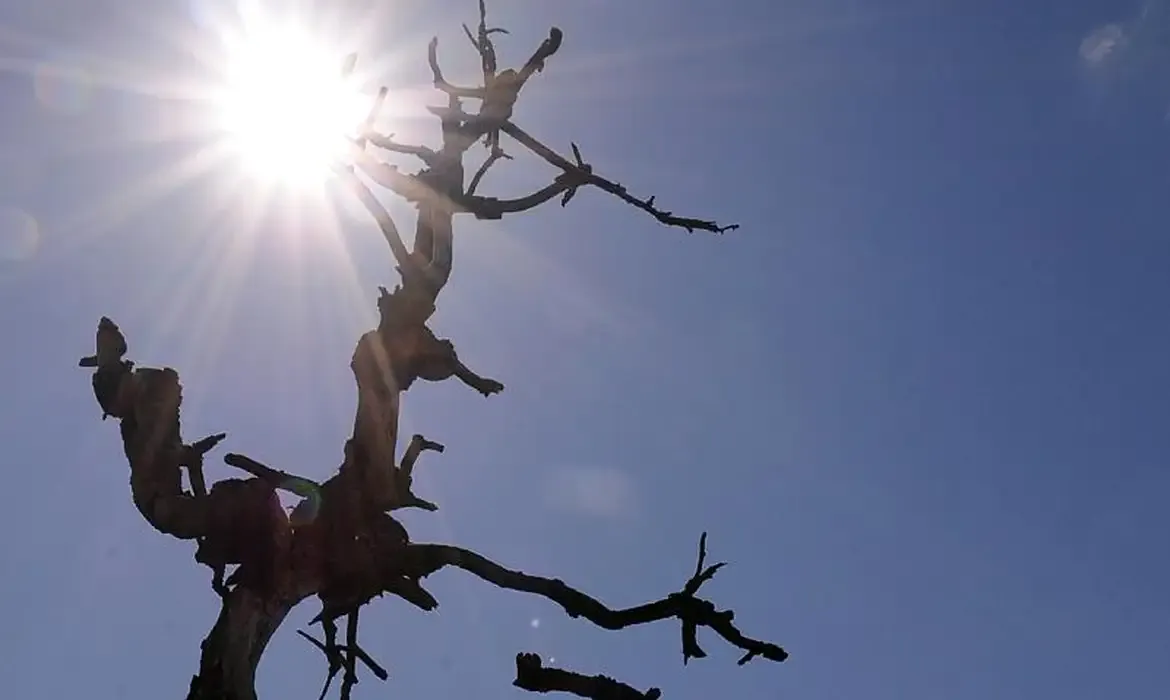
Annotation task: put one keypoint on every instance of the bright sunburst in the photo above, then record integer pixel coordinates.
(285, 105)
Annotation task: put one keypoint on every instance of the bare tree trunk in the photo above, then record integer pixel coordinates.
(375, 425)
(232, 650)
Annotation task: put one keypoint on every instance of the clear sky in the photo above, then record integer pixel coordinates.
(919, 400)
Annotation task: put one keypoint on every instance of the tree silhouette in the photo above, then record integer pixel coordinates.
(340, 543)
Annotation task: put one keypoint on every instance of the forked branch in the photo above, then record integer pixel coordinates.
(498, 97)
(534, 64)
(574, 175)
(424, 559)
(482, 41)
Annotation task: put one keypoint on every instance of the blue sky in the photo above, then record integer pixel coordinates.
(918, 400)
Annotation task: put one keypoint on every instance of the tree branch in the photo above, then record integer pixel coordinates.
(441, 83)
(372, 205)
(404, 474)
(493, 208)
(412, 188)
(491, 160)
(292, 483)
(547, 48)
(387, 143)
(421, 560)
(532, 675)
(580, 173)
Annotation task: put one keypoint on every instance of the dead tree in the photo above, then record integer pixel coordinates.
(341, 543)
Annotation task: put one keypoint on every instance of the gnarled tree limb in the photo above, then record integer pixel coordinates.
(424, 559)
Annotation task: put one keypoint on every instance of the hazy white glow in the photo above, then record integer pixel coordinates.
(285, 106)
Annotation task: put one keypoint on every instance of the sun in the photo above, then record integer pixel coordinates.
(285, 106)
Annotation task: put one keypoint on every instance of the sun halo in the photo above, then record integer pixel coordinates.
(285, 108)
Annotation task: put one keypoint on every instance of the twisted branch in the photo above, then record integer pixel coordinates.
(421, 560)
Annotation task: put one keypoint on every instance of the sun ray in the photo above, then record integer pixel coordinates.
(89, 223)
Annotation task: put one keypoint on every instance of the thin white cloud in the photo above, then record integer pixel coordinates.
(1101, 43)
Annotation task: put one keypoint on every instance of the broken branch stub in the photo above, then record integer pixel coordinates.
(532, 674)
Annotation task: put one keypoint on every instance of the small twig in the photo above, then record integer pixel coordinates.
(198, 481)
(403, 475)
(207, 444)
(379, 672)
(531, 674)
(702, 575)
(690, 643)
(349, 679)
(193, 460)
(418, 445)
(496, 154)
(362, 655)
(335, 659)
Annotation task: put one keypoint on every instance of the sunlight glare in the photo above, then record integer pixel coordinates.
(285, 106)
